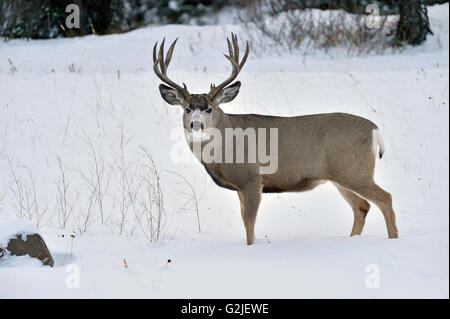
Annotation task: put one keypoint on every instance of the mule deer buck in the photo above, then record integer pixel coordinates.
(312, 149)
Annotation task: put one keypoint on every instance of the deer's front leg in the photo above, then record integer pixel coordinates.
(250, 198)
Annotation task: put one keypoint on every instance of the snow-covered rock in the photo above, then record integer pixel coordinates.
(12, 228)
(20, 238)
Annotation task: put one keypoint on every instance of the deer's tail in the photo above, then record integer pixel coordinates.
(377, 141)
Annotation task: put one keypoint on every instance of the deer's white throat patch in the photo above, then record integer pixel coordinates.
(199, 136)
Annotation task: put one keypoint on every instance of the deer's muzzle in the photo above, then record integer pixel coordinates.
(197, 125)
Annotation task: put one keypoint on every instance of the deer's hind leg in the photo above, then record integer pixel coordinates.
(374, 193)
(359, 206)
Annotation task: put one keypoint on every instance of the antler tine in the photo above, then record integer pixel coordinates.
(236, 48)
(160, 65)
(154, 52)
(233, 57)
(232, 61)
(230, 50)
(244, 59)
(161, 57)
(169, 54)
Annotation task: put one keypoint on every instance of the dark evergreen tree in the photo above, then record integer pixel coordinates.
(46, 18)
(413, 26)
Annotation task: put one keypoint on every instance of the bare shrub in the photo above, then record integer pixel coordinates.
(2, 195)
(98, 177)
(65, 205)
(128, 184)
(20, 192)
(288, 26)
(192, 197)
(84, 217)
(26, 198)
(151, 215)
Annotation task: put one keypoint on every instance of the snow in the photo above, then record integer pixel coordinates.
(61, 91)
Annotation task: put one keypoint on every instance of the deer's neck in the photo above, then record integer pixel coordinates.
(211, 137)
(226, 120)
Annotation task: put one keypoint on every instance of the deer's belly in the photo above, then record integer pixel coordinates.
(302, 185)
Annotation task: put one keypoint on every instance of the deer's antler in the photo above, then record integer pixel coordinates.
(233, 57)
(160, 65)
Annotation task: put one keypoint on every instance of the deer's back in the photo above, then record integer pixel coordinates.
(311, 148)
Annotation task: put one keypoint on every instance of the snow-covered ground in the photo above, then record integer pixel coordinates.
(57, 96)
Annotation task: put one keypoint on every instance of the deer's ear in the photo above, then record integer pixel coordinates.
(170, 95)
(229, 93)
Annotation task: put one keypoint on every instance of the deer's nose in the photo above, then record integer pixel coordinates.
(197, 125)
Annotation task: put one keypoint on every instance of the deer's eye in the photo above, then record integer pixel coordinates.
(209, 110)
(188, 110)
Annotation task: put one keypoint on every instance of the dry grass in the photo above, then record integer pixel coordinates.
(98, 176)
(84, 214)
(275, 24)
(152, 213)
(128, 186)
(26, 196)
(65, 206)
(191, 195)
(122, 190)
